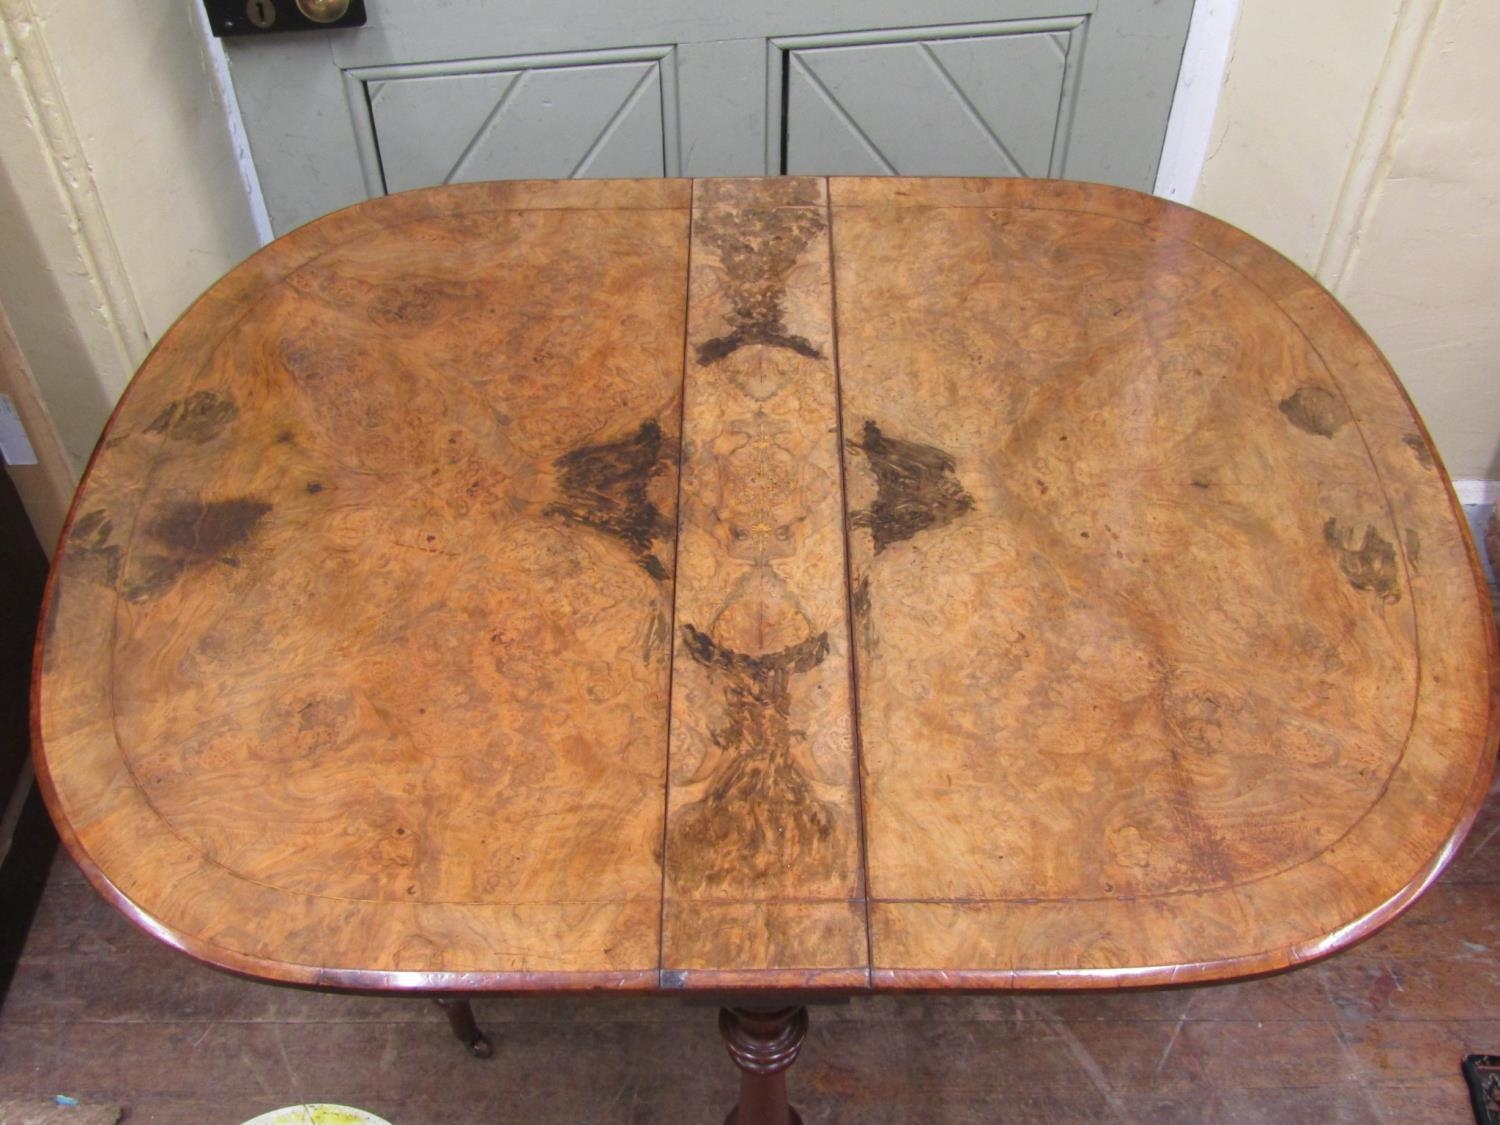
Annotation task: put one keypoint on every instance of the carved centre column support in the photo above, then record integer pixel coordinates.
(763, 1044)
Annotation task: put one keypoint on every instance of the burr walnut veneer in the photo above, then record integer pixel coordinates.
(764, 587)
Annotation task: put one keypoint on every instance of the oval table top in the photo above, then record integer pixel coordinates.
(786, 583)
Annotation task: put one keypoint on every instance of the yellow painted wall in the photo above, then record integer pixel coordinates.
(1424, 268)
(1300, 78)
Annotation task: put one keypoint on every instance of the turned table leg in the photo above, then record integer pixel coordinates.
(465, 1030)
(763, 1043)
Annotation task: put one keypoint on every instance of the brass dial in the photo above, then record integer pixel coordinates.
(323, 11)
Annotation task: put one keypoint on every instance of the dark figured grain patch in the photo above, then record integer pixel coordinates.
(201, 417)
(200, 531)
(1369, 566)
(605, 487)
(149, 575)
(163, 421)
(758, 248)
(859, 598)
(760, 815)
(190, 533)
(768, 673)
(915, 489)
(1316, 410)
(1419, 450)
(1413, 546)
(89, 554)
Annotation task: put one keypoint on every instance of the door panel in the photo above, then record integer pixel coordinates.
(541, 122)
(972, 104)
(986, 86)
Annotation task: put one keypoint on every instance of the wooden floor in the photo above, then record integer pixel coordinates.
(101, 1012)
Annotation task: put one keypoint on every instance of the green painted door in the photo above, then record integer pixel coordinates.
(431, 93)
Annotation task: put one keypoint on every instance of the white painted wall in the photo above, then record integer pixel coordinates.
(120, 196)
(1362, 139)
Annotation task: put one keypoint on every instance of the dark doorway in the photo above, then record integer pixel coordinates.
(27, 840)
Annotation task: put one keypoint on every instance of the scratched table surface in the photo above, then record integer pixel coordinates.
(782, 584)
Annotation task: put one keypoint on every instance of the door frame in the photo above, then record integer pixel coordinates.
(1195, 104)
(46, 488)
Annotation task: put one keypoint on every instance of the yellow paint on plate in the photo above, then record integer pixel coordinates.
(320, 1114)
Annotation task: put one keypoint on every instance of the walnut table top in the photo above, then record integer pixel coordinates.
(764, 584)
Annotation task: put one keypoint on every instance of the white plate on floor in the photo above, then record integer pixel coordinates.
(320, 1114)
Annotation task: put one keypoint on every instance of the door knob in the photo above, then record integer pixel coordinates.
(323, 11)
